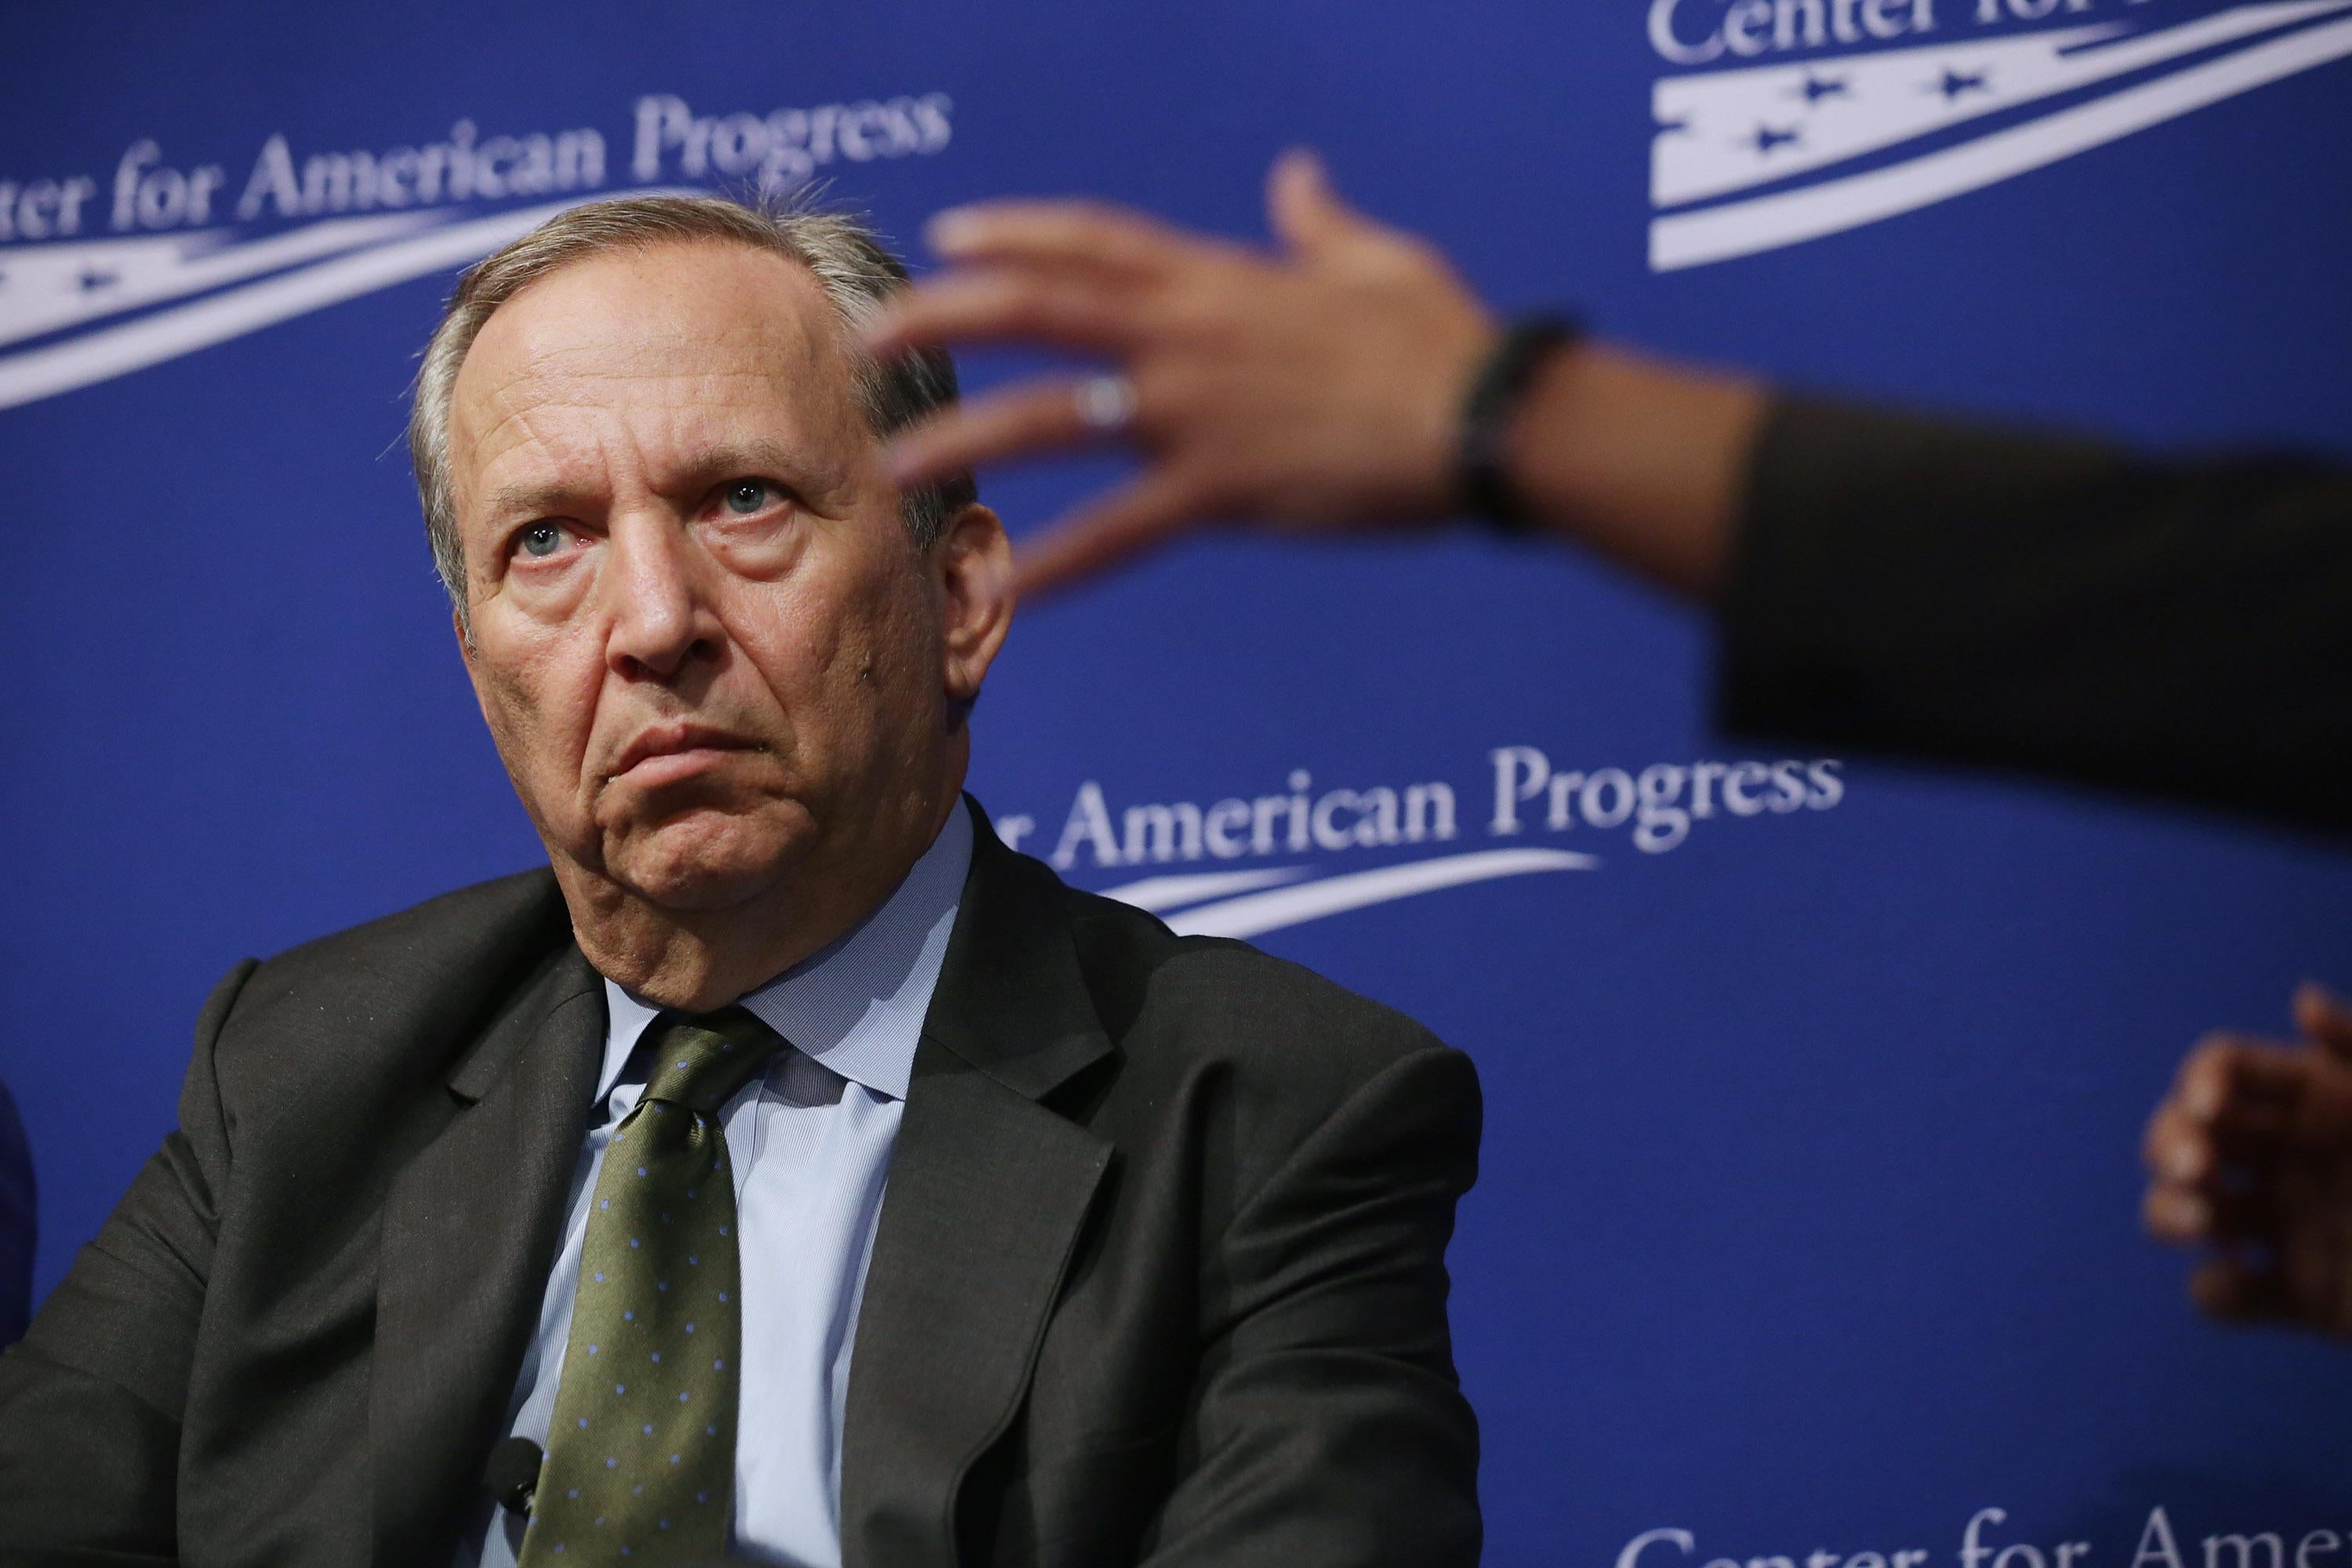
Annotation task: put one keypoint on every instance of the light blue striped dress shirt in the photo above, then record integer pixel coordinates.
(809, 1145)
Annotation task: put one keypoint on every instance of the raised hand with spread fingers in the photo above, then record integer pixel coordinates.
(1314, 386)
(1318, 387)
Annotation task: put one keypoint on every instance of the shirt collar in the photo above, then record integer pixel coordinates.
(858, 1005)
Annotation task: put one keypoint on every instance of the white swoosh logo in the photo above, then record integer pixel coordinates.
(45, 291)
(1768, 223)
(167, 334)
(1255, 913)
(1158, 893)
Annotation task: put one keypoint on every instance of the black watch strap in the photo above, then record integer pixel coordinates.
(1482, 476)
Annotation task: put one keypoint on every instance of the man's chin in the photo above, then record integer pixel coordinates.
(692, 866)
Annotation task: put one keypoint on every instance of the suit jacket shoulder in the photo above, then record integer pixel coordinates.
(398, 1001)
(1293, 1046)
(1186, 1021)
(414, 958)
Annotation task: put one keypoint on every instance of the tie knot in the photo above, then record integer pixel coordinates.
(701, 1060)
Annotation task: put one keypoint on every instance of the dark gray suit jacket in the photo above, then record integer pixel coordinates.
(1160, 1274)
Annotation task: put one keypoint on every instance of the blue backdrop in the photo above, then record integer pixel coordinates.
(1807, 1214)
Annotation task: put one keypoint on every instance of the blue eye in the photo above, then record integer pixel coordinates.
(745, 497)
(542, 538)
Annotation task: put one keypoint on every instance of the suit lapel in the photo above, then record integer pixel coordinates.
(988, 1191)
(469, 1233)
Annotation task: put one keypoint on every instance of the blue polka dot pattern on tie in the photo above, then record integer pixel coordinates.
(638, 1233)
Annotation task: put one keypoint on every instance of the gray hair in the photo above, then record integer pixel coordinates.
(850, 263)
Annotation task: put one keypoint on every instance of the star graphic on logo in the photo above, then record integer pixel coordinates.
(92, 279)
(1767, 139)
(1818, 88)
(1954, 83)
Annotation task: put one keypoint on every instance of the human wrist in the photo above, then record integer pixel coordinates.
(1639, 460)
(1486, 478)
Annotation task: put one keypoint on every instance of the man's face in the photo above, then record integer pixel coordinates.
(707, 650)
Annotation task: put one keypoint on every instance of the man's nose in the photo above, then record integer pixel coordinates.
(661, 620)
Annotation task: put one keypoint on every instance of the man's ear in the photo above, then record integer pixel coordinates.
(971, 565)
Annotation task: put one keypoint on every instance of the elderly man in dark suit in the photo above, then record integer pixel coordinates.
(789, 1170)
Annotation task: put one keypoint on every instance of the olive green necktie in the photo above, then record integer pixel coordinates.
(640, 1456)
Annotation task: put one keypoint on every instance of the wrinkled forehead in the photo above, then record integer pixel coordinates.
(662, 340)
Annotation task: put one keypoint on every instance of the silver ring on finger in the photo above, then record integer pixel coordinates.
(1106, 404)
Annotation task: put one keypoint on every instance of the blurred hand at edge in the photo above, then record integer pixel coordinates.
(2250, 1158)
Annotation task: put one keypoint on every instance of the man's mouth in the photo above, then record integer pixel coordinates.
(667, 753)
